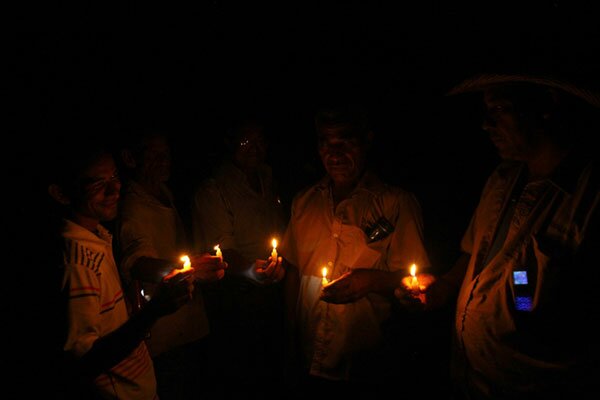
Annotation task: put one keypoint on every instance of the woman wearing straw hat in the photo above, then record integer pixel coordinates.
(526, 321)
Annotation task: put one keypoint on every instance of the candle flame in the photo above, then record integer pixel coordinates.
(324, 272)
(413, 270)
(218, 252)
(274, 243)
(187, 264)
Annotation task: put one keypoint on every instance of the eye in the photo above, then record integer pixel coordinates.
(496, 109)
(95, 185)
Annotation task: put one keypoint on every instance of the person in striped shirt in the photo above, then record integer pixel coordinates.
(104, 346)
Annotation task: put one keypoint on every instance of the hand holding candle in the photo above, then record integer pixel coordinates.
(411, 282)
(415, 285)
(208, 267)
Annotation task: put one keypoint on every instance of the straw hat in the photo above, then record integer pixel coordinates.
(482, 81)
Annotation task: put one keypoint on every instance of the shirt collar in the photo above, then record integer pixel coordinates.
(369, 183)
(564, 177)
(76, 231)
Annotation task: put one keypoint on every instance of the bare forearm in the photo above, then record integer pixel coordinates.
(384, 282)
(110, 350)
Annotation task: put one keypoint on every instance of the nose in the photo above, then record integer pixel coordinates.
(112, 187)
(333, 148)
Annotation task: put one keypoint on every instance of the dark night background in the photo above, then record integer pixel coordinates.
(283, 60)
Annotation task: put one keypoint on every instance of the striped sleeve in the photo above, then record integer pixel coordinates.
(82, 283)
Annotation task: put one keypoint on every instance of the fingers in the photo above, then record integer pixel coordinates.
(408, 299)
(207, 261)
(271, 270)
(208, 268)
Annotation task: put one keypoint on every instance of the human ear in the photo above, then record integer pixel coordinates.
(57, 194)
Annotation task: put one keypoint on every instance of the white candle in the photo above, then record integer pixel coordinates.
(414, 282)
(219, 254)
(324, 281)
(274, 252)
(187, 265)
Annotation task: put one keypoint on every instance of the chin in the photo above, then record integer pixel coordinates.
(109, 215)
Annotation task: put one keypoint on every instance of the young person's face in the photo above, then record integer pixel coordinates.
(98, 194)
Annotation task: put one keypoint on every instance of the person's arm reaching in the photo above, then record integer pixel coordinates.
(109, 350)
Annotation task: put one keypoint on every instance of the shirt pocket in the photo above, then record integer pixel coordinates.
(356, 253)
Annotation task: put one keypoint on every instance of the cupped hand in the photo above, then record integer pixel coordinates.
(172, 293)
(270, 270)
(431, 293)
(208, 268)
(349, 287)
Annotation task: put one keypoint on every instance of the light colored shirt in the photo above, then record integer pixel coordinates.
(147, 227)
(319, 235)
(228, 212)
(503, 352)
(96, 307)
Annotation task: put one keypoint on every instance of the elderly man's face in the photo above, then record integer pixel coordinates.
(343, 154)
(514, 133)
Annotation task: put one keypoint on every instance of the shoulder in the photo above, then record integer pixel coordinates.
(82, 253)
(389, 193)
(309, 191)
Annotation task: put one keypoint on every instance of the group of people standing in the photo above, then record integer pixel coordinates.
(310, 317)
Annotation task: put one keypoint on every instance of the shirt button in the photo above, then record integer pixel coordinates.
(335, 235)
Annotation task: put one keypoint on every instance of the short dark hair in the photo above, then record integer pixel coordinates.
(67, 171)
(353, 116)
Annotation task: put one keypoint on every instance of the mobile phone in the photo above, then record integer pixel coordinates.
(523, 297)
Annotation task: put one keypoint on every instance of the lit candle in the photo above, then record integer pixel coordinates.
(414, 282)
(324, 281)
(187, 265)
(219, 254)
(274, 252)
